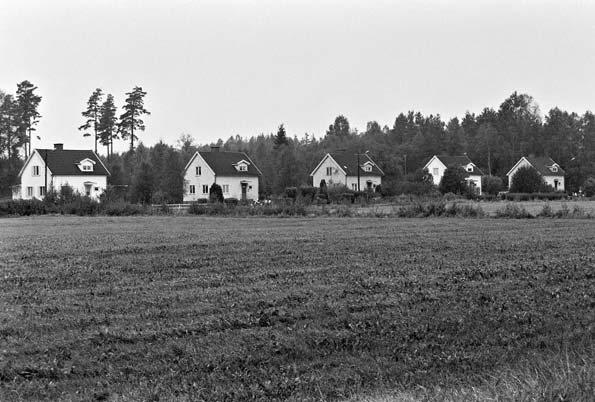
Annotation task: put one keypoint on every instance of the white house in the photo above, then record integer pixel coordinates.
(437, 165)
(47, 169)
(342, 169)
(234, 171)
(551, 172)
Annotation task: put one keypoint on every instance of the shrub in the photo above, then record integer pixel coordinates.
(412, 188)
(337, 194)
(215, 193)
(534, 196)
(378, 189)
(453, 181)
(308, 193)
(491, 185)
(231, 201)
(513, 211)
(291, 192)
(527, 180)
(589, 187)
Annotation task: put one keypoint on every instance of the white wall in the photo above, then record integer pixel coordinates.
(98, 186)
(28, 180)
(207, 177)
(435, 164)
(336, 178)
(352, 182)
(551, 180)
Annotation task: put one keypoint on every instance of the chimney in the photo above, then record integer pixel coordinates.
(215, 149)
(58, 147)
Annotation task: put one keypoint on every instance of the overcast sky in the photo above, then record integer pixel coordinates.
(214, 69)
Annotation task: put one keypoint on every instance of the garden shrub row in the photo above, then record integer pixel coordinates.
(534, 196)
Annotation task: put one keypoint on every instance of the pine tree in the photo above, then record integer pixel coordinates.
(281, 137)
(93, 115)
(27, 104)
(107, 129)
(130, 119)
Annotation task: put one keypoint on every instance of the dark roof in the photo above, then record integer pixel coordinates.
(459, 160)
(543, 163)
(348, 163)
(223, 163)
(64, 162)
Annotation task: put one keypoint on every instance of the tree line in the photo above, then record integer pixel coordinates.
(494, 140)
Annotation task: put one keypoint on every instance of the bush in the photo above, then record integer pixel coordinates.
(308, 193)
(534, 196)
(411, 188)
(527, 180)
(291, 192)
(491, 185)
(453, 181)
(231, 201)
(589, 187)
(338, 194)
(513, 211)
(215, 193)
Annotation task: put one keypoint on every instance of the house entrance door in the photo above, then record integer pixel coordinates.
(244, 191)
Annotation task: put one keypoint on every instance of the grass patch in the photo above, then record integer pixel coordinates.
(203, 308)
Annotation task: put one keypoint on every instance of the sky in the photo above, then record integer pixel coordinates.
(213, 69)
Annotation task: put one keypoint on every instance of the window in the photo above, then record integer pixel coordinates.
(368, 168)
(193, 188)
(435, 171)
(354, 186)
(225, 188)
(329, 171)
(243, 168)
(198, 170)
(35, 170)
(29, 191)
(87, 168)
(205, 189)
(554, 168)
(470, 168)
(96, 188)
(42, 191)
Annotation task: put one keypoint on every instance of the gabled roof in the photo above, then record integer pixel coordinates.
(65, 162)
(224, 163)
(348, 163)
(542, 164)
(457, 160)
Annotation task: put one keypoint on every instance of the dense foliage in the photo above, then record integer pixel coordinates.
(453, 181)
(527, 180)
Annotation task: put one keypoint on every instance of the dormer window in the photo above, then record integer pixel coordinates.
(554, 168)
(86, 165)
(469, 168)
(367, 167)
(242, 166)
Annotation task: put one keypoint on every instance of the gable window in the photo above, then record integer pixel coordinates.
(243, 168)
(435, 171)
(368, 168)
(225, 188)
(192, 189)
(29, 191)
(42, 191)
(198, 171)
(554, 168)
(329, 171)
(87, 167)
(35, 170)
(205, 189)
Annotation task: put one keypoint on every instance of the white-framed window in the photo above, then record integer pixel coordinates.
(30, 191)
(198, 170)
(41, 191)
(35, 170)
(192, 189)
(205, 189)
(435, 171)
(354, 186)
(368, 168)
(87, 167)
(225, 188)
(329, 171)
(554, 168)
(243, 168)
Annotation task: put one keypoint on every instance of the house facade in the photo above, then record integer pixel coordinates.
(437, 165)
(235, 172)
(551, 172)
(51, 169)
(342, 169)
